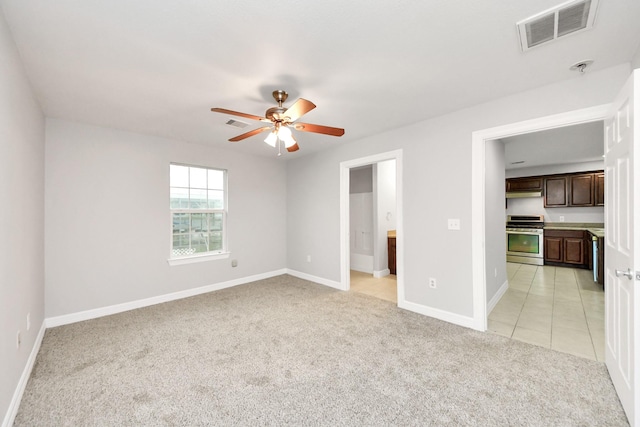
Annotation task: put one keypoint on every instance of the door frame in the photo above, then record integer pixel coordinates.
(478, 165)
(345, 166)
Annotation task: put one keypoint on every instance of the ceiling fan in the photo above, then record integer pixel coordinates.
(280, 119)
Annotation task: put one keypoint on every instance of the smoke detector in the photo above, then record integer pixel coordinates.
(552, 24)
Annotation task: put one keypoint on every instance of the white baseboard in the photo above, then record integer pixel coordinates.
(316, 279)
(381, 273)
(491, 304)
(132, 305)
(24, 378)
(456, 319)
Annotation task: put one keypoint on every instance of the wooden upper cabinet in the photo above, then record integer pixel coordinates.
(555, 192)
(534, 183)
(599, 189)
(581, 190)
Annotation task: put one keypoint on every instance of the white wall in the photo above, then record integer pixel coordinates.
(361, 180)
(635, 62)
(437, 186)
(385, 200)
(108, 224)
(21, 216)
(535, 206)
(495, 259)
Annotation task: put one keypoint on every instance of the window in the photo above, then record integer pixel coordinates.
(198, 211)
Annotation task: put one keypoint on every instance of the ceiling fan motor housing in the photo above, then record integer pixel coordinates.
(275, 114)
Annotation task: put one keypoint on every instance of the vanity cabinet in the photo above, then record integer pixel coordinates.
(391, 250)
(566, 247)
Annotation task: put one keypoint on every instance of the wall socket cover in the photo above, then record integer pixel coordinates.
(453, 224)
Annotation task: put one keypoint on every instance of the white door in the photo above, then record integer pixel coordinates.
(622, 301)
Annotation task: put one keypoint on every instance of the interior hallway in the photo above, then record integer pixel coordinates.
(553, 307)
(383, 288)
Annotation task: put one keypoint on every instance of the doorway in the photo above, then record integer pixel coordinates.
(373, 277)
(559, 306)
(482, 263)
(372, 225)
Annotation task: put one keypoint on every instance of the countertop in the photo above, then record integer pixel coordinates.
(597, 228)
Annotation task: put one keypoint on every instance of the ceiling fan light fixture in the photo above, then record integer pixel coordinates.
(271, 139)
(289, 141)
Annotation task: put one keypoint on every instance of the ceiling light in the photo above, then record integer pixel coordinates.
(281, 133)
(272, 139)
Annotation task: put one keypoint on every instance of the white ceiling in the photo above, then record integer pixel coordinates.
(158, 66)
(570, 144)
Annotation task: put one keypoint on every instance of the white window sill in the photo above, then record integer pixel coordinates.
(198, 258)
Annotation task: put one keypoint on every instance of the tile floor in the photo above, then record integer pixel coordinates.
(554, 307)
(383, 288)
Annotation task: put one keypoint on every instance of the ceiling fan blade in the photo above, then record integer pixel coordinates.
(293, 148)
(298, 109)
(327, 130)
(236, 113)
(250, 133)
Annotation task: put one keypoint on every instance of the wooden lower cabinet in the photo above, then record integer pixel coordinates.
(391, 250)
(566, 247)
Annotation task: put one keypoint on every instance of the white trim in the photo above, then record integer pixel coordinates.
(344, 216)
(478, 140)
(447, 316)
(12, 411)
(316, 279)
(198, 258)
(491, 304)
(381, 273)
(132, 305)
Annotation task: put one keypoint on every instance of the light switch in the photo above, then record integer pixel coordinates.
(454, 223)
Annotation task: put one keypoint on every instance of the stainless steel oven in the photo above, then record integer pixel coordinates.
(525, 240)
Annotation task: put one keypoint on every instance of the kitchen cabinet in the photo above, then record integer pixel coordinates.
(555, 192)
(581, 189)
(574, 190)
(534, 183)
(599, 189)
(391, 250)
(566, 247)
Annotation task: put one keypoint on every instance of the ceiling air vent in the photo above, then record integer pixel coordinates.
(237, 123)
(567, 18)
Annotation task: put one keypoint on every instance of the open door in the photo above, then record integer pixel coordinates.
(622, 301)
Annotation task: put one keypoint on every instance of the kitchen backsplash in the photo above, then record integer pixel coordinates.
(535, 206)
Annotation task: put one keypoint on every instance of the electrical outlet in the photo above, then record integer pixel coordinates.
(432, 283)
(453, 223)
(308, 258)
(234, 263)
(561, 218)
(18, 340)
(28, 321)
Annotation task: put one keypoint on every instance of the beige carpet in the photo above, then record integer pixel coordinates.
(284, 351)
